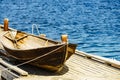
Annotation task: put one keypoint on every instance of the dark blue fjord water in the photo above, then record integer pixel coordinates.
(93, 24)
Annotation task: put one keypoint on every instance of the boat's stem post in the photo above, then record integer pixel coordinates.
(64, 39)
(6, 22)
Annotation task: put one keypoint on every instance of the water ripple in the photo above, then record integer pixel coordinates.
(93, 24)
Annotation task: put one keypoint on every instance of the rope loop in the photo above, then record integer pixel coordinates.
(35, 26)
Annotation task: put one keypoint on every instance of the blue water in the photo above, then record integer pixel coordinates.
(93, 24)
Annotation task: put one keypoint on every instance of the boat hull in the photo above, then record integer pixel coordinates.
(45, 58)
(38, 51)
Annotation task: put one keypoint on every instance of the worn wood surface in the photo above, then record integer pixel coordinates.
(76, 68)
(14, 68)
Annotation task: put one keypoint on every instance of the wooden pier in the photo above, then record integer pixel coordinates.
(80, 66)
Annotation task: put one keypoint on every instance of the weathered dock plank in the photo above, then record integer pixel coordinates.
(76, 68)
(9, 72)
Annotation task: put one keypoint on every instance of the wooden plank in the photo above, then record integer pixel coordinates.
(14, 68)
(79, 68)
(111, 62)
(93, 64)
(8, 75)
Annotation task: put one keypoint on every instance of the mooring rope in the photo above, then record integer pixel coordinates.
(34, 59)
(40, 56)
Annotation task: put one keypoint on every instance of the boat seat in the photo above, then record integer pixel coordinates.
(18, 36)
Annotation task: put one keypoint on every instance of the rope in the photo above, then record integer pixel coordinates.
(40, 56)
(35, 25)
(1, 35)
(13, 35)
(46, 43)
(34, 59)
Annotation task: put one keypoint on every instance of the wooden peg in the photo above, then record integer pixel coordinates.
(6, 22)
(64, 38)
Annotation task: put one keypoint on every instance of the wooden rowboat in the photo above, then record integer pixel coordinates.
(38, 51)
